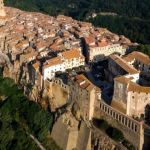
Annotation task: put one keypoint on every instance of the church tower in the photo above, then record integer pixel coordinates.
(2, 11)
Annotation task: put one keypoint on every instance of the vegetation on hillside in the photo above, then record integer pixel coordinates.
(144, 48)
(20, 118)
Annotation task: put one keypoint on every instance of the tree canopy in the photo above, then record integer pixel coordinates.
(20, 117)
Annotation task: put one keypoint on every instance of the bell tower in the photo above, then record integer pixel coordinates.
(2, 11)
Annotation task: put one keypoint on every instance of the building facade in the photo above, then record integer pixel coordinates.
(131, 85)
(138, 60)
(52, 66)
(97, 53)
(98, 50)
(65, 60)
(84, 94)
(118, 66)
(129, 96)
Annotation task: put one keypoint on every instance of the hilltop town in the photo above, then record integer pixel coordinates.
(82, 74)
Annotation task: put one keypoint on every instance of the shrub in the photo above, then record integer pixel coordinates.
(128, 145)
(1, 71)
(115, 134)
(101, 124)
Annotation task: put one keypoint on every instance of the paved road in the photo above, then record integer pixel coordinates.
(37, 142)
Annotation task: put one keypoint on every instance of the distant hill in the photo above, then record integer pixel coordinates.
(132, 17)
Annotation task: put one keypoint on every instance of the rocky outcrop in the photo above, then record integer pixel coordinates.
(4, 60)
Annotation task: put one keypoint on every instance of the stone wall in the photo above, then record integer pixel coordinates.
(71, 134)
(101, 141)
(56, 93)
(137, 102)
(63, 136)
(130, 127)
(131, 103)
(120, 97)
(60, 83)
(113, 70)
(84, 138)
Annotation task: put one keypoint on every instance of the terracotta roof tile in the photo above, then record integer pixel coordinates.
(123, 64)
(52, 62)
(84, 83)
(70, 54)
(138, 56)
(132, 86)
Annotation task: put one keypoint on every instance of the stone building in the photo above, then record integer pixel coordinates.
(129, 96)
(2, 11)
(65, 60)
(98, 50)
(130, 64)
(52, 66)
(131, 88)
(118, 66)
(85, 95)
(72, 58)
(139, 60)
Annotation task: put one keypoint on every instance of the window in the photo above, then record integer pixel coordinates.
(126, 121)
(135, 129)
(119, 118)
(103, 107)
(132, 125)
